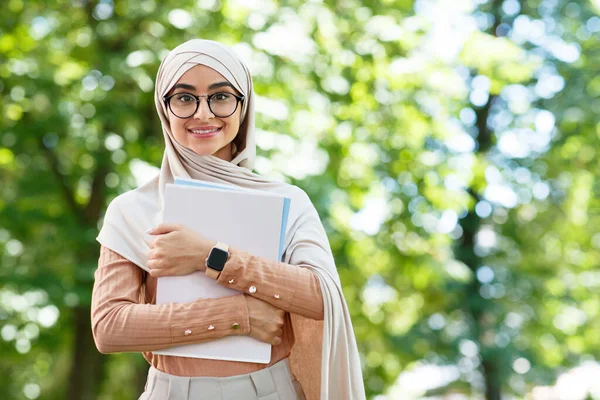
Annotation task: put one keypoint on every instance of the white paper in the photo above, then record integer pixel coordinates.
(247, 221)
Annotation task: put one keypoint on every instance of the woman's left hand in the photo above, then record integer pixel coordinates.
(177, 250)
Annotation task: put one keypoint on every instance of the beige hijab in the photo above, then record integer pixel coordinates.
(325, 357)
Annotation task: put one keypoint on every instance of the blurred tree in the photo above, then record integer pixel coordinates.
(449, 147)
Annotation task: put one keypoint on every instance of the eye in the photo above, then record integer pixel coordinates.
(184, 98)
(221, 97)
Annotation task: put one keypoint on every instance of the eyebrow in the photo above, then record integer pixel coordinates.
(212, 86)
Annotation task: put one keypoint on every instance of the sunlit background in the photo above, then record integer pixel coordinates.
(450, 147)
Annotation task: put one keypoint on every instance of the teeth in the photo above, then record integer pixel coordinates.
(204, 131)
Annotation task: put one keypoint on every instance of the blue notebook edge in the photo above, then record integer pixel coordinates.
(284, 220)
(285, 211)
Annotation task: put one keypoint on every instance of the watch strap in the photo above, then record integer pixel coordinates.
(212, 273)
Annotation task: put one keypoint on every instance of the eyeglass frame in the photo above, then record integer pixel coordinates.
(167, 100)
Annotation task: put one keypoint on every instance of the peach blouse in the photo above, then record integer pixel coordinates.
(126, 318)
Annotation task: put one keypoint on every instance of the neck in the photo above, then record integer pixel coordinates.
(224, 153)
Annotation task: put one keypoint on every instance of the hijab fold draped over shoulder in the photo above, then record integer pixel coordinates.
(325, 357)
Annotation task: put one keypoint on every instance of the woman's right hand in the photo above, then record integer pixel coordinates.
(266, 321)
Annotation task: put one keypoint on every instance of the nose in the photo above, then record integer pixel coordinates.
(203, 112)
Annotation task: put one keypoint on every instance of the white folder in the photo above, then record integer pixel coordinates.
(247, 220)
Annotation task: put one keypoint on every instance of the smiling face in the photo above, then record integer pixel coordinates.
(204, 133)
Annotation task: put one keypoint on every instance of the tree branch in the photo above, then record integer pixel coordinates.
(484, 136)
(61, 179)
(98, 191)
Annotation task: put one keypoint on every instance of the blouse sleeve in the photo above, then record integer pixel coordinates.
(291, 288)
(121, 324)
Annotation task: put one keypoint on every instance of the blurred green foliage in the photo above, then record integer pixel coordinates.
(450, 148)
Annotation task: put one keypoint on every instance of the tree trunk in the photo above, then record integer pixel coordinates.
(476, 306)
(492, 383)
(141, 374)
(87, 369)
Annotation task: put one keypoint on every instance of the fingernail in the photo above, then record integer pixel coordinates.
(276, 341)
(149, 230)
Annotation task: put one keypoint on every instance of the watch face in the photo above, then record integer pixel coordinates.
(216, 259)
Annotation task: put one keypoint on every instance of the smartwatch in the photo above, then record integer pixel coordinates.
(215, 262)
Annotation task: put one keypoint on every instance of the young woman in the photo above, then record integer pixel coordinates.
(205, 100)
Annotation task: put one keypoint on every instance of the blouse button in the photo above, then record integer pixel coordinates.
(276, 296)
(235, 326)
(211, 327)
(187, 332)
(252, 289)
(232, 281)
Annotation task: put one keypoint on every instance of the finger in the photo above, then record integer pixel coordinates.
(163, 228)
(153, 273)
(147, 238)
(156, 264)
(149, 242)
(276, 341)
(278, 333)
(157, 272)
(264, 337)
(279, 321)
(151, 264)
(258, 333)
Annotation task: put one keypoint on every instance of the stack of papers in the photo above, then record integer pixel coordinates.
(248, 220)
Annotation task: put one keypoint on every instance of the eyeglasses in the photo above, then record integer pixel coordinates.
(184, 105)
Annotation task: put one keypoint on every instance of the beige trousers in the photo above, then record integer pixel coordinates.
(273, 383)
